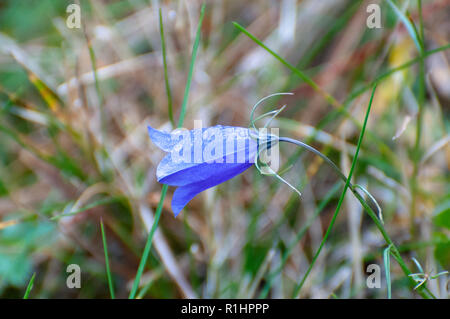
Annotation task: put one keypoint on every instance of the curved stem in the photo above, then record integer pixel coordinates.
(335, 168)
(377, 219)
(313, 150)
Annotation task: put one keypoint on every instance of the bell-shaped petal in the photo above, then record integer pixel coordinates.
(202, 158)
(184, 194)
(161, 139)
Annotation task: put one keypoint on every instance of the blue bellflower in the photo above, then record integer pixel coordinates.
(202, 158)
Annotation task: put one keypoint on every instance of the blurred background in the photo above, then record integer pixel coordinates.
(74, 149)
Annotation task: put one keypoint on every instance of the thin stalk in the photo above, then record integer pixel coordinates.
(388, 73)
(341, 108)
(317, 152)
(421, 27)
(421, 101)
(377, 220)
(108, 270)
(375, 217)
(166, 74)
(148, 244)
(29, 287)
(387, 270)
(330, 99)
(323, 203)
(425, 293)
(378, 223)
(191, 67)
(97, 85)
(341, 199)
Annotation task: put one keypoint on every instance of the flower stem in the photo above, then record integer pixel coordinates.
(148, 243)
(377, 219)
(317, 152)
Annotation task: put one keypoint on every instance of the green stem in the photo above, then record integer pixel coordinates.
(166, 77)
(97, 87)
(108, 270)
(341, 199)
(364, 204)
(395, 252)
(191, 67)
(388, 73)
(421, 100)
(148, 244)
(29, 287)
(323, 203)
(330, 99)
(387, 270)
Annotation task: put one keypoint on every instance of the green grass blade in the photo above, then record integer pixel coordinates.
(97, 85)
(421, 96)
(158, 272)
(94, 204)
(108, 271)
(387, 269)
(341, 199)
(328, 197)
(166, 75)
(423, 291)
(388, 73)
(408, 25)
(418, 265)
(421, 25)
(330, 99)
(191, 67)
(321, 43)
(148, 244)
(29, 287)
(144, 290)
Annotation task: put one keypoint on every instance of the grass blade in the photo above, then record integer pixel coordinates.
(423, 291)
(97, 84)
(420, 101)
(94, 204)
(148, 244)
(270, 278)
(387, 269)
(330, 99)
(166, 75)
(389, 72)
(408, 25)
(29, 287)
(418, 265)
(108, 271)
(191, 67)
(341, 199)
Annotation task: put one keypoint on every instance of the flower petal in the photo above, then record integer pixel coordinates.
(184, 194)
(179, 172)
(187, 173)
(161, 139)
